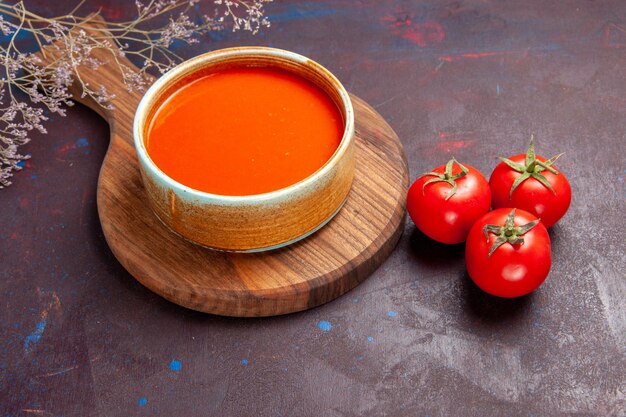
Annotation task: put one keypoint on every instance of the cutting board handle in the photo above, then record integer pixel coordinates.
(107, 75)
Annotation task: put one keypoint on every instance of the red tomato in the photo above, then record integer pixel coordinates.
(507, 253)
(533, 184)
(446, 202)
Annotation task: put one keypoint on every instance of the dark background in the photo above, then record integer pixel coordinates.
(80, 337)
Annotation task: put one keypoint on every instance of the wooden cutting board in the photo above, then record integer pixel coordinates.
(311, 272)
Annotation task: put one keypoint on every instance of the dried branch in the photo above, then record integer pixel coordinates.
(46, 86)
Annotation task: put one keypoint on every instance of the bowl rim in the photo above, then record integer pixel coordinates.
(200, 62)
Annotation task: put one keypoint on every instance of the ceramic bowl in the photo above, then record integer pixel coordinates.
(252, 222)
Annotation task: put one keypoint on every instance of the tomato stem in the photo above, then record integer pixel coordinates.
(532, 168)
(447, 177)
(507, 232)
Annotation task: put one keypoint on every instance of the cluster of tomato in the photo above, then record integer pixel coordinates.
(507, 252)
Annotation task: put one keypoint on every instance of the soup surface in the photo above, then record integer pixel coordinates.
(244, 131)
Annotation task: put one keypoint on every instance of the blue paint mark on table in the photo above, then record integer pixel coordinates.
(34, 337)
(175, 365)
(299, 11)
(325, 325)
(82, 142)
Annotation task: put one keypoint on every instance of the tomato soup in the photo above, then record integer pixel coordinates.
(244, 131)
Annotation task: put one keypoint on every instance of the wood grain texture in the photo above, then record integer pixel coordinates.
(303, 275)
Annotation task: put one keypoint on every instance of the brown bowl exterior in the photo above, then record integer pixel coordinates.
(254, 222)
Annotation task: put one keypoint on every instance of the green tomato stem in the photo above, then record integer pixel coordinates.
(446, 177)
(507, 233)
(532, 168)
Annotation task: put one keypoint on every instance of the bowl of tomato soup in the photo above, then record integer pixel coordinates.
(246, 149)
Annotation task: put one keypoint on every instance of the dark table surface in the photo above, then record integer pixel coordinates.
(80, 337)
